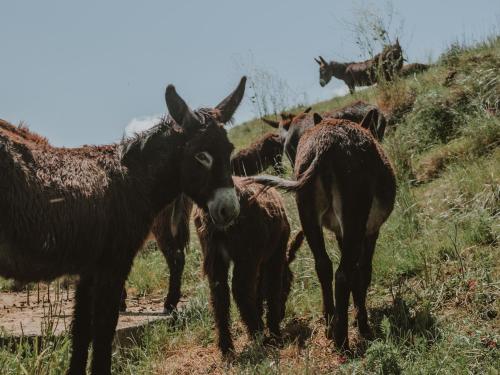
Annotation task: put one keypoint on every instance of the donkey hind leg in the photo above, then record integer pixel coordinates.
(107, 291)
(81, 327)
(220, 300)
(323, 264)
(274, 296)
(364, 275)
(245, 278)
(355, 217)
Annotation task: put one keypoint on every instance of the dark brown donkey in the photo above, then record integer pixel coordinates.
(345, 183)
(292, 127)
(365, 73)
(257, 245)
(171, 226)
(86, 211)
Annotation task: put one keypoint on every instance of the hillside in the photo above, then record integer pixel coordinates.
(435, 295)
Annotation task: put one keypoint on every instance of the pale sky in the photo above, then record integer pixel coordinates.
(81, 72)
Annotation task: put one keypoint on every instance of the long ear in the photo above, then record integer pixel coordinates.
(318, 61)
(317, 118)
(307, 110)
(179, 110)
(323, 61)
(370, 120)
(229, 105)
(274, 124)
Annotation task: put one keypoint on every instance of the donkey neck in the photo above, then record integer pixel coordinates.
(338, 69)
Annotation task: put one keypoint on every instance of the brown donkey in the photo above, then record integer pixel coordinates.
(171, 226)
(86, 211)
(257, 245)
(365, 73)
(292, 127)
(345, 183)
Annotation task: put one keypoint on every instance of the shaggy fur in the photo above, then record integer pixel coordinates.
(86, 211)
(345, 183)
(257, 245)
(264, 152)
(366, 73)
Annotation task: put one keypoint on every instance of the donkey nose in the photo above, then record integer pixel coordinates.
(226, 215)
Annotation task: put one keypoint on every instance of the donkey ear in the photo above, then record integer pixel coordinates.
(370, 120)
(323, 61)
(274, 124)
(307, 110)
(180, 111)
(318, 61)
(229, 105)
(317, 118)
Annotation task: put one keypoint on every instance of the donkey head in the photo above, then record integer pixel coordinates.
(325, 71)
(205, 171)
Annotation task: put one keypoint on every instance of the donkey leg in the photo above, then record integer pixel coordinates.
(364, 275)
(323, 264)
(107, 292)
(274, 269)
(81, 327)
(220, 300)
(245, 277)
(176, 260)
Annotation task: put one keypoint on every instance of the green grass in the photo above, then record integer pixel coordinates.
(434, 298)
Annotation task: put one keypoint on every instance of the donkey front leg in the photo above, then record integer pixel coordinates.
(107, 292)
(245, 280)
(219, 293)
(175, 257)
(81, 327)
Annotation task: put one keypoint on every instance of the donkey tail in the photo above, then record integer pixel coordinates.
(287, 185)
(294, 246)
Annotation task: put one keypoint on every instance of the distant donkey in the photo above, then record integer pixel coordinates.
(292, 127)
(344, 182)
(414, 68)
(257, 245)
(171, 226)
(366, 73)
(86, 211)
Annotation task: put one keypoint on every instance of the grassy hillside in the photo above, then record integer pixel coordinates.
(434, 299)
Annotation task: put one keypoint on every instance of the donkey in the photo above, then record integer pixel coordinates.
(344, 182)
(414, 68)
(257, 245)
(365, 73)
(86, 211)
(171, 226)
(292, 127)
(264, 152)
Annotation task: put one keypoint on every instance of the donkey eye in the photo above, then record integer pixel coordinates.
(205, 159)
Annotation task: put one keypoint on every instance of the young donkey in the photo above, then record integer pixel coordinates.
(344, 182)
(86, 211)
(257, 245)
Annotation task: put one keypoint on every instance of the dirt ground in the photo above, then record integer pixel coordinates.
(47, 310)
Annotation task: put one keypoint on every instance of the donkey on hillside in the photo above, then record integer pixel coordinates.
(365, 73)
(86, 211)
(257, 245)
(345, 183)
(171, 226)
(414, 68)
(292, 127)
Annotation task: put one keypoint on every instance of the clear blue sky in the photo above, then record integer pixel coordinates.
(80, 72)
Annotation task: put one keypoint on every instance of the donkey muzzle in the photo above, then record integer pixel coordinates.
(224, 207)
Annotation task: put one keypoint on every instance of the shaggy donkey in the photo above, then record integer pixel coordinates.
(292, 127)
(345, 183)
(86, 211)
(264, 152)
(365, 73)
(171, 226)
(257, 245)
